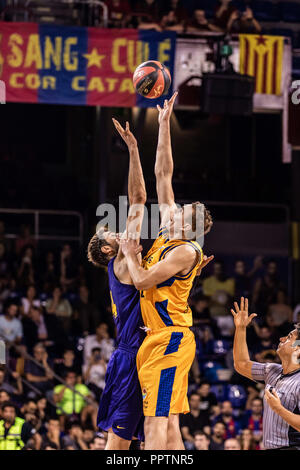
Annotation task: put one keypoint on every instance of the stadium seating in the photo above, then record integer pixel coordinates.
(220, 347)
(265, 11)
(290, 12)
(220, 391)
(236, 395)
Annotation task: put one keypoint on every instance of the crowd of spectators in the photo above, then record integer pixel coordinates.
(172, 15)
(60, 342)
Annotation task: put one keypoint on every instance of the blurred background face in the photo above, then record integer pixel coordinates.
(38, 352)
(226, 408)
(67, 250)
(4, 396)
(232, 444)
(35, 314)
(31, 407)
(102, 330)
(218, 269)
(99, 443)
(69, 356)
(1, 376)
(257, 407)
(201, 442)
(194, 402)
(12, 311)
(71, 379)
(240, 268)
(9, 414)
(272, 268)
(204, 390)
(31, 292)
(265, 333)
(53, 426)
(219, 430)
(200, 15)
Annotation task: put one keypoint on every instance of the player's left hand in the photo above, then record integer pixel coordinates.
(126, 134)
(129, 246)
(272, 399)
(204, 263)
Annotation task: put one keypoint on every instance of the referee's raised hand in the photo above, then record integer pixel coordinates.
(240, 314)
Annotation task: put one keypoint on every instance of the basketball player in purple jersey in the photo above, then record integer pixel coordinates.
(121, 405)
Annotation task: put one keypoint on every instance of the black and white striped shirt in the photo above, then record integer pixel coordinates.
(276, 431)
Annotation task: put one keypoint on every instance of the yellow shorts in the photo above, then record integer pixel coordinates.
(163, 363)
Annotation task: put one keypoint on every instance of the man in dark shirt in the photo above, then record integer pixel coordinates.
(193, 421)
(52, 437)
(232, 427)
(217, 438)
(39, 373)
(207, 398)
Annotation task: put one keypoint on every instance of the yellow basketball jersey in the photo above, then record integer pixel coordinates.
(167, 303)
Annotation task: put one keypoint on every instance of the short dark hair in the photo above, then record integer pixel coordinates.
(200, 433)
(95, 254)
(9, 404)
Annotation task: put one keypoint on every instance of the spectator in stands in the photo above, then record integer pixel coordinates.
(48, 273)
(223, 12)
(243, 279)
(232, 444)
(29, 300)
(60, 307)
(118, 13)
(3, 237)
(26, 270)
(39, 373)
(4, 397)
(226, 417)
(10, 326)
(147, 13)
(101, 340)
(201, 441)
(88, 435)
(69, 402)
(74, 437)
(170, 22)
(15, 432)
(266, 288)
(263, 344)
(4, 260)
(218, 281)
(243, 23)
(94, 373)
(53, 435)
(6, 385)
(67, 364)
(200, 24)
(44, 328)
(98, 443)
(5, 291)
(25, 239)
(68, 268)
(254, 417)
(208, 399)
(217, 437)
(280, 312)
(247, 440)
(86, 316)
(193, 421)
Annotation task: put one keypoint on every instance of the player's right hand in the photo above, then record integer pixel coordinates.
(164, 113)
(240, 314)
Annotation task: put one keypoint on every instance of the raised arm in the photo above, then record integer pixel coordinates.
(242, 362)
(178, 260)
(164, 165)
(136, 184)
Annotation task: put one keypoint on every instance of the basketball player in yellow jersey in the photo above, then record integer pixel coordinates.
(165, 280)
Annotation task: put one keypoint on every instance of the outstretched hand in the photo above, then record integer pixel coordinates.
(126, 134)
(240, 314)
(204, 263)
(164, 113)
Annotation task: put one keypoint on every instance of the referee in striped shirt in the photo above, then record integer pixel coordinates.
(281, 419)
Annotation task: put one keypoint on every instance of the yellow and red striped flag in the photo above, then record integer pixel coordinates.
(262, 57)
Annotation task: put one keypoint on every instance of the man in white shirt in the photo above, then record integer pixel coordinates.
(10, 327)
(100, 340)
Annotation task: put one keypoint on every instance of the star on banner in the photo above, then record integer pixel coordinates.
(261, 40)
(94, 58)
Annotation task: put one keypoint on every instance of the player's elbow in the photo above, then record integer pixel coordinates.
(242, 367)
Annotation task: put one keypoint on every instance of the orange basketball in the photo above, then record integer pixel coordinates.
(152, 79)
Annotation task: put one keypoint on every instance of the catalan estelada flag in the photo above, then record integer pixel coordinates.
(262, 57)
(77, 65)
